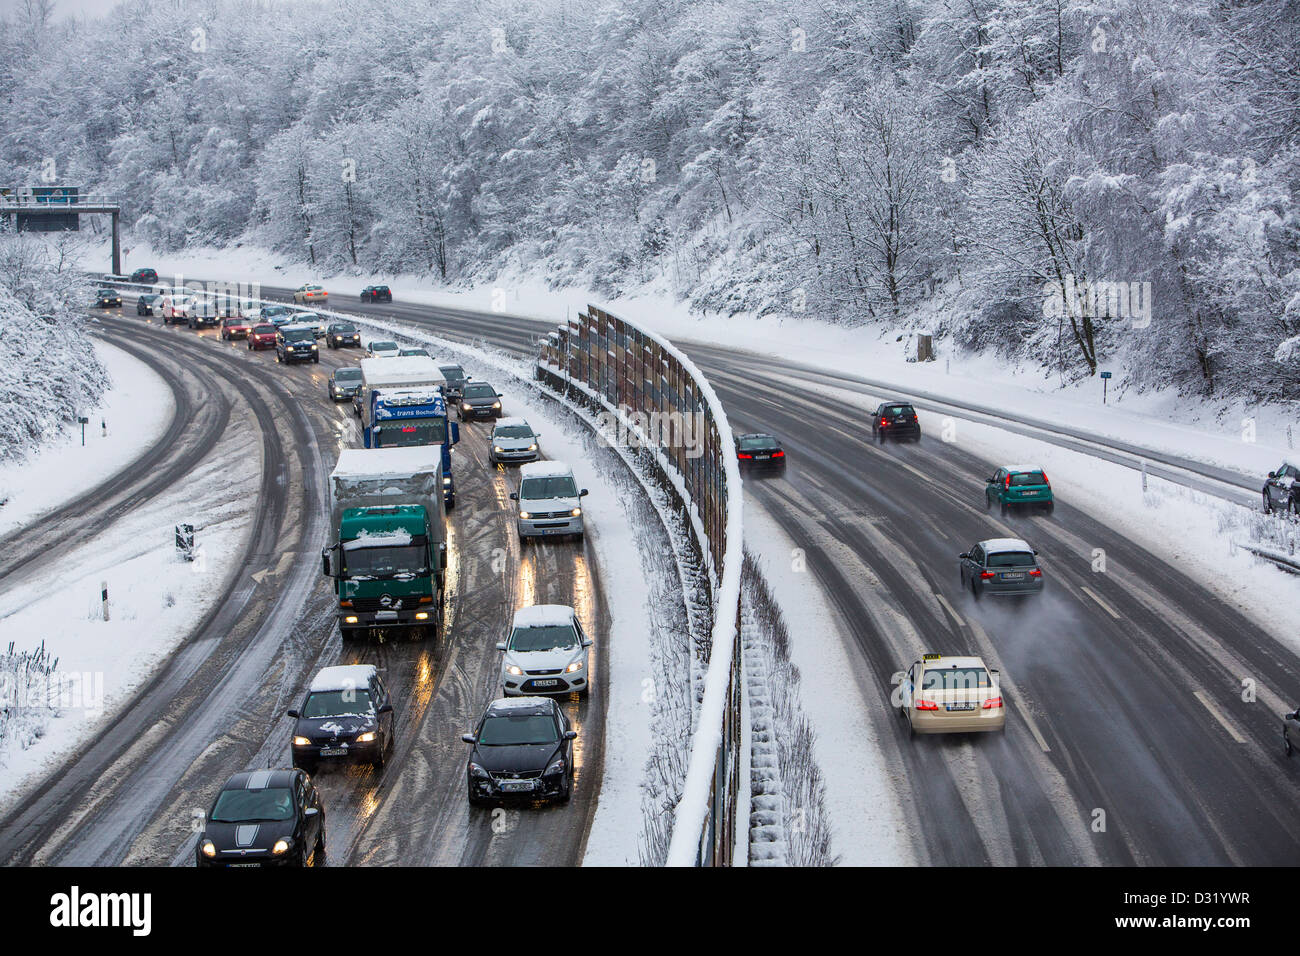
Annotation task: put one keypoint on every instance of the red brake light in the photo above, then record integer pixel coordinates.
(1045, 481)
(778, 454)
(992, 702)
(1036, 573)
(1008, 480)
(986, 574)
(741, 454)
(884, 422)
(926, 705)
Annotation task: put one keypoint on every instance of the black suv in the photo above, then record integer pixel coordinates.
(264, 818)
(107, 299)
(340, 335)
(296, 343)
(1282, 490)
(346, 716)
(145, 276)
(145, 302)
(895, 420)
(376, 293)
(523, 747)
(479, 400)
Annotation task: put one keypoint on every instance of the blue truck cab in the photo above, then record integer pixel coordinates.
(401, 417)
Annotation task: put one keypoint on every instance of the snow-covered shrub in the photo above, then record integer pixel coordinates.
(49, 373)
(27, 700)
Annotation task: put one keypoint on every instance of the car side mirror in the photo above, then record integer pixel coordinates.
(310, 812)
(327, 563)
(582, 493)
(500, 395)
(588, 642)
(964, 555)
(994, 670)
(501, 646)
(385, 709)
(291, 713)
(1272, 474)
(514, 496)
(989, 480)
(570, 734)
(468, 738)
(1035, 551)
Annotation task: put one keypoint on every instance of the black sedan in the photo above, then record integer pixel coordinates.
(479, 400)
(376, 293)
(107, 299)
(523, 748)
(342, 335)
(264, 818)
(345, 383)
(896, 420)
(146, 302)
(758, 452)
(346, 716)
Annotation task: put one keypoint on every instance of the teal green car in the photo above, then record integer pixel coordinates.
(1019, 486)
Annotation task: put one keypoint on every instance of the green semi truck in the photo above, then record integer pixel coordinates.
(388, 553)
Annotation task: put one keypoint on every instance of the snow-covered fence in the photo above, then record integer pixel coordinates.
(656, 397)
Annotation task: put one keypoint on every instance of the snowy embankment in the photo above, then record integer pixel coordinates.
(155, 597)
(1228, 434)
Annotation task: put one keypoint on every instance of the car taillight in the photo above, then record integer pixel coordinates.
(1036, 573)
(1046, 482)
(992, 702)
(345, 603)
(926, 705)
(1008, 482)
(743, 455)
(986, 574)
(884, 422)
(778, 454)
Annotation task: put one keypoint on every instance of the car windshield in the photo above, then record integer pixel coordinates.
(514, 730)
(232, 322)
(1011, 559)
(480, 390)
(956, 678)
(757, 442)
(347, 375)
(558, 487)
(298, 335)
(402, 434)
(513, 431)
(252, 806)
(272, 310)
(352, 702)
(264, 330)
(148, 297)
(341, 327)
(386, 561)
(1027, 478)
(543, 638)
(414, 352)
(383, 346)
(896, 410)
(452, 373)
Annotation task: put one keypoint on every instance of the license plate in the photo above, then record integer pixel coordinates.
(385, 615)
(1029, 494)
(334, 751)
(1012, 575)
(761, 457)
(243, 864)
(961, 706)
(517, 786)
(546, 682)
(554, 530)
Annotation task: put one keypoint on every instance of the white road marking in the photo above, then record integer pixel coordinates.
(1033, 728)
(951, 610)
(1106, 607)
(1218, 715)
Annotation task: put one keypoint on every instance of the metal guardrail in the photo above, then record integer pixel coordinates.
(613, 366)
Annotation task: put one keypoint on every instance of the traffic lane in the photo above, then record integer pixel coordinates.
(430, 822)
(74, 800)
(937, 522)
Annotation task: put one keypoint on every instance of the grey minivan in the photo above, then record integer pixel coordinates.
(1002, 567)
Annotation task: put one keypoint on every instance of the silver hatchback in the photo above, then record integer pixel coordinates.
(1003, 567)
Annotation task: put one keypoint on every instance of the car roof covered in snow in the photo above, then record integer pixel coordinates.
(342, 677)
(544, 469)
(1021, 469)
(544, 615)
(942, 661)
(509, 422)
(523, 705)
(296, 328)
(1002, 545)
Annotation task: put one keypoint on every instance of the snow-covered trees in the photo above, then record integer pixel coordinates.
(849, 160)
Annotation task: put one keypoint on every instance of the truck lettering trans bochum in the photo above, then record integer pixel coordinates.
(388, 553)
(402, 404)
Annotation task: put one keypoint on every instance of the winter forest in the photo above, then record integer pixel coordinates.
(1069, 183)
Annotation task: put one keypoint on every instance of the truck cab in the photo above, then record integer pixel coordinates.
(402, 404)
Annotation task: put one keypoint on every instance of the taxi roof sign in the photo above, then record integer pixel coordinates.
(930, 657)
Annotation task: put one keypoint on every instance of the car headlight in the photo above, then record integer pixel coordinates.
(476, 771)
(496, 404)
(466, 406)
(314, 347)
(446, 480)
(525, 515)
(209, 849)
(367, 737)
(532, 448)
(514, 670)
(301, 742)
(575, 666)
(281, 847)
(555, 766)
(576, 513)
(497, 449)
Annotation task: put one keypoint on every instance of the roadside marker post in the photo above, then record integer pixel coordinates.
(1105, 381)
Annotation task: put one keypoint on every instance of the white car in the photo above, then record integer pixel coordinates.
(513, 440)
(384, 350)
(546, 652)
(312, 319)
(306, 294)
(951, 695)
(548, 499)
(174, 307)
(248, 309)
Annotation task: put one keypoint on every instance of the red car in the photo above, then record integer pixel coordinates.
(235, 328)
(262, 336)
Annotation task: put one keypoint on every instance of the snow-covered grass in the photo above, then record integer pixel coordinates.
(155, 597)
(135, 408)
